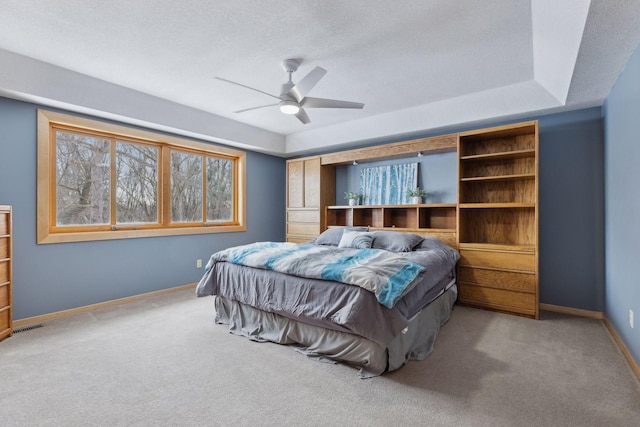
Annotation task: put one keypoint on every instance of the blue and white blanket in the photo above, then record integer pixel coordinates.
(387, 275)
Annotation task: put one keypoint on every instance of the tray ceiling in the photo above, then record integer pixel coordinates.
(419, 66)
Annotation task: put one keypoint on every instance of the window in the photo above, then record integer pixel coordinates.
(101, 181)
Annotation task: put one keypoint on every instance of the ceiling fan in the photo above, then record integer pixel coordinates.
(293, 97)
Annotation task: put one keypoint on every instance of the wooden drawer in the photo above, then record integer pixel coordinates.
(303, 216)
(524, 282)
(296, 239)
(304, 229)
(4, 223)
(500, 299)
(4, 247)
(498, 259)
(4, 271)
(4, 295)
(5, 319)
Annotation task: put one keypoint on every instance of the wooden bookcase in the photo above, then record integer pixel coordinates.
(419, 219)
(310, 187)
(6, 318)
(498, 218)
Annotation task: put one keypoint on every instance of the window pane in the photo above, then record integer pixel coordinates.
(186, 187)
(219, 190)
(82, 179)
(136, 183)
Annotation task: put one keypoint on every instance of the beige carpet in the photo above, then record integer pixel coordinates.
(163, 362)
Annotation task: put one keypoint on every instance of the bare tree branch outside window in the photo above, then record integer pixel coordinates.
(136, 183)
(219, 190)
(82, 180)
(186, 187)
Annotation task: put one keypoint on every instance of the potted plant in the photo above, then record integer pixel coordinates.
(353, 197)
(416, 195)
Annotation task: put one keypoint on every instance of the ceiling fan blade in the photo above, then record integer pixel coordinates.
(255, 108)
(329, 103)
(303, 87)
(302, 116)
(247, 87)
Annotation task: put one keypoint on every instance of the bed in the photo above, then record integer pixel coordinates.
(372, 300)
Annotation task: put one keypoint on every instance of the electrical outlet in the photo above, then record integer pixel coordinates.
(198, 263)
(631, 318)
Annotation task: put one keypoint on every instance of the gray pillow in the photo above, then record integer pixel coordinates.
(429, 243)
(395, 241)
(356, 239)
(332, 236)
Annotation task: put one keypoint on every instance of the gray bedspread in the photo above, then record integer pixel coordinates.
(328, 304)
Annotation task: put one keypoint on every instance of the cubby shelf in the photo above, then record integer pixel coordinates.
(434, 217)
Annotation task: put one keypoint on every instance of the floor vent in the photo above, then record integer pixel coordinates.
(28, 328)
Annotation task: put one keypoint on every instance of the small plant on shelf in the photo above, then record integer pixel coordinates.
(353, 197)
(416, 195)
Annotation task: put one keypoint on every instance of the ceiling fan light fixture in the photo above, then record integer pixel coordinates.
(289, 107)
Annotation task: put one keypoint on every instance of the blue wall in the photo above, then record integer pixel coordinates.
(54, 277)
(622, 204)
(436, 173)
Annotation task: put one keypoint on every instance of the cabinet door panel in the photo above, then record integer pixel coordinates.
(295, 184)
(312, 183)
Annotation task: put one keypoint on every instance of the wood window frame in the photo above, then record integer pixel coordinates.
(47, 232)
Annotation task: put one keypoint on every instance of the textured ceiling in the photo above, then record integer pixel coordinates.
(417, 65)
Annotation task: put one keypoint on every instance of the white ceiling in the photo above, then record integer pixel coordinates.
(420, 66)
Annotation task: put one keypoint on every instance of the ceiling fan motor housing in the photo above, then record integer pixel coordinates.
(291, 65)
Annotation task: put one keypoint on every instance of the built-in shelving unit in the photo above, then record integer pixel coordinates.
(494, 223)
(6, 317)
(498, 218)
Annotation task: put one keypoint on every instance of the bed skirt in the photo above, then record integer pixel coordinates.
(415, 342)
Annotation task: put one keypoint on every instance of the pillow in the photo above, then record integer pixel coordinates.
(395, 241)
(355, 239)
(332, 236)
(430, 243)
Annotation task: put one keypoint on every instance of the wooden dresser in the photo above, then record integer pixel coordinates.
(498, 218)
(310, 187)
(6, 317)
